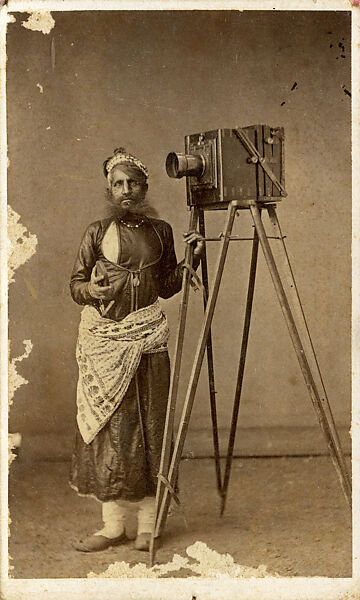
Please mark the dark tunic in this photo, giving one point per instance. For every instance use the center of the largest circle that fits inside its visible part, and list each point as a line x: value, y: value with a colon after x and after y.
x: 115, y: 464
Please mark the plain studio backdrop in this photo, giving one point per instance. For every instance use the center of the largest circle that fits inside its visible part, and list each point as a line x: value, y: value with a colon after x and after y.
x: 143, y: 80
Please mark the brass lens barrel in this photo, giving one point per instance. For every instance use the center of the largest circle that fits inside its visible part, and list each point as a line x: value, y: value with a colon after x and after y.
x: 179, y: 165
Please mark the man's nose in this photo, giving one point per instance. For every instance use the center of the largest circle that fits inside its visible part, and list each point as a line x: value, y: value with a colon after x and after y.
x: 125, y: 187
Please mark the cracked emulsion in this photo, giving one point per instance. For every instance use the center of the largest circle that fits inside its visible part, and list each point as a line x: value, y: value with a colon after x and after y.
x: 40, y: 21
x: 21, y: 247
x: 209, y: 564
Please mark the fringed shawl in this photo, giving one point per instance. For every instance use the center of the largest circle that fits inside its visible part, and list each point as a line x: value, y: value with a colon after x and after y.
x: 108, y: 353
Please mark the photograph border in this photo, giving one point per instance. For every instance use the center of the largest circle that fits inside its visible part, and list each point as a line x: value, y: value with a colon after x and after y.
x: 189, y: 588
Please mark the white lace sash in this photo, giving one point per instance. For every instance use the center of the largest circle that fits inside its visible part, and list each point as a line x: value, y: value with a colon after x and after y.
x: 108, y: 353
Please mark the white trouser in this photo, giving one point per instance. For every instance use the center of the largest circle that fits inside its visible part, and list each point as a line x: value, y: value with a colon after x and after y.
x: 114, y: 514
x: 146, y: 515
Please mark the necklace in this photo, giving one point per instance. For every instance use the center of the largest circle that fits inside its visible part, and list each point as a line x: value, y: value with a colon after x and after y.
x: 131, y: 226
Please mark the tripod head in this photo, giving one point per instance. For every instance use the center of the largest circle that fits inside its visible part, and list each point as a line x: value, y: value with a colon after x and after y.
x: 223, y: 165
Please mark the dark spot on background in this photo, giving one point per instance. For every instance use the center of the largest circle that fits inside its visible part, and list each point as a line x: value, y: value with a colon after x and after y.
x: 294, y: 85
x: 282, y: 104
x: 331, y: 45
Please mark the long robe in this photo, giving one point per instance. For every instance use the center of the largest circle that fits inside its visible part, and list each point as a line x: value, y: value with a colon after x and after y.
x: 142, y: 266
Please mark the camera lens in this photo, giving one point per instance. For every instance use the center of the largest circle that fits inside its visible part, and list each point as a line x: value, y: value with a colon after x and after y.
x: 179, y: 165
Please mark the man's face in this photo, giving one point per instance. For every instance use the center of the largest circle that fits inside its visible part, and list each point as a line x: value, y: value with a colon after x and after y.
x: 128, y: 187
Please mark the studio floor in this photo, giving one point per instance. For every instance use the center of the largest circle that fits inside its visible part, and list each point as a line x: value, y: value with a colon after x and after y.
x: 287, y: 513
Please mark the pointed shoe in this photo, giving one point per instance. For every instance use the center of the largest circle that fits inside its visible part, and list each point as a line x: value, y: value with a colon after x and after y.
x: 96, y: 543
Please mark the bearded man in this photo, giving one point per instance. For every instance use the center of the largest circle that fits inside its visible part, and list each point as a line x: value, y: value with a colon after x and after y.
x: 124, y: 264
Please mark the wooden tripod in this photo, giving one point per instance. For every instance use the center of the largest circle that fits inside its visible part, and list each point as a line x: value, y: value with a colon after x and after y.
x: 288, y: 296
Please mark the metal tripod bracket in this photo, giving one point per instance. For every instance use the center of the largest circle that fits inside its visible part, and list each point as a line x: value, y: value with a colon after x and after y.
x: 256, y: 157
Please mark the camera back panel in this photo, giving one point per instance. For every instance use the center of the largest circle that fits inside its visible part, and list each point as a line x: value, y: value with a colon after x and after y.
x: 229, y: 172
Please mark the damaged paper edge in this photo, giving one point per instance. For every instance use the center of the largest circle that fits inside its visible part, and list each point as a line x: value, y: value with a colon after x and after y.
x: 239, y: 5
x: 20, y: 247
x: 17, y: 246
x: 355, y: 316
x: 3, y: 302
x: 209, y: 564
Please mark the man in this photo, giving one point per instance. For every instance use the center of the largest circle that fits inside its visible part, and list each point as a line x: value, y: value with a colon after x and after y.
x: 125, y: 263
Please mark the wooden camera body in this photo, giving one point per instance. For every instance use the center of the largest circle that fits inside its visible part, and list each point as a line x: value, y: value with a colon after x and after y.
x: 219, y: 166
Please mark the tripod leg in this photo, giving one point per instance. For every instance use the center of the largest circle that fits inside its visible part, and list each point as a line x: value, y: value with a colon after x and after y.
x: 300, y: 352
x: 307, y: 342
x: 240, y: 376
x: 194, y: 377
x: 210, y: 363
x: 174, y: 381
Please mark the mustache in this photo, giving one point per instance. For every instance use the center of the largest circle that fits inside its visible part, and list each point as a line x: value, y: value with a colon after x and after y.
x: 141, y: 208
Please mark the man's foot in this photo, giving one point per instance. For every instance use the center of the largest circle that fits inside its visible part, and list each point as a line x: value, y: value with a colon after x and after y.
x: 95, y: 543
x: 142, y: 542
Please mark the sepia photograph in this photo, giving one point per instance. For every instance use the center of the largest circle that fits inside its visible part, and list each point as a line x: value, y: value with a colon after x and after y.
x: 178, y: 192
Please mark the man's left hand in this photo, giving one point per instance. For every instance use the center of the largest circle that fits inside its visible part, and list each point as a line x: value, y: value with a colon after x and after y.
x: 195, y: 238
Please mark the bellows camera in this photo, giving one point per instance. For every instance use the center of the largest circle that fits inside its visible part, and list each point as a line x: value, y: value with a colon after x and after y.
x: 231, y: 164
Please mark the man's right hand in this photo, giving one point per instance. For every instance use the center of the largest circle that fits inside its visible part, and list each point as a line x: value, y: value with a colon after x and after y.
x: 100, y: 292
